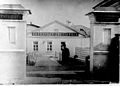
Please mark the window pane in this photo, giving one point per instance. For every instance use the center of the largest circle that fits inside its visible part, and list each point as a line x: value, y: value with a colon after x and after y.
x: 47, y: 48
x: 50, y: 42
x: 12, y: 37
x: 35, y: 46
x: 107, y: 35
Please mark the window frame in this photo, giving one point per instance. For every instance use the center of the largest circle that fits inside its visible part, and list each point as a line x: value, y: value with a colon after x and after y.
x: 12, y: 35
x: 49, y: 46
x: 35, y: 46
x: 104, y: 40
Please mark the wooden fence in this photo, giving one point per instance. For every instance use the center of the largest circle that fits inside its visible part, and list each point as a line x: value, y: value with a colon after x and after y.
x: 82, y: 52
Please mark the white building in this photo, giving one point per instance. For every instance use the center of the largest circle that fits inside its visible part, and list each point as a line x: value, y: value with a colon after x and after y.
x: 47, y: 39
x: 12, y: 42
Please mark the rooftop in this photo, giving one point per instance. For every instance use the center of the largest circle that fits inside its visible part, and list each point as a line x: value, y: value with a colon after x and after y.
x: 11, y: 6
x: 34, y: 25
x: 82, y: 29
x: 15, y: 7
x: 108, y: 3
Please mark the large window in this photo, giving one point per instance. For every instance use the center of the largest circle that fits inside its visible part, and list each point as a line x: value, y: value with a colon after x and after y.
x: 12, y: 35
x: 107, y: 35
x: 49, y: 46
x: 35, y: 46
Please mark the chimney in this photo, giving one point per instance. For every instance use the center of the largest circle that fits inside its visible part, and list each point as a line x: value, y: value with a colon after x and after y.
x: 30, y: 22
x: 69, y: 23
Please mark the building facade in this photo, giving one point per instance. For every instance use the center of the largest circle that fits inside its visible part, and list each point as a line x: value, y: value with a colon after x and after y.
x: 47, y: 40
x: 104, y: 24
x: 12, y: 42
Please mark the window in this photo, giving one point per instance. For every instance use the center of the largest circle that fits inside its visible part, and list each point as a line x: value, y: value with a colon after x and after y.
x: 49, y: 46
x: 35, y: 46
x: 12, y: 35
x: 106, y: 35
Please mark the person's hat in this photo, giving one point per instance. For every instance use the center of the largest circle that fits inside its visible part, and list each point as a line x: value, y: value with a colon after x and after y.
x: 117, y: 35
x: 63, y: 44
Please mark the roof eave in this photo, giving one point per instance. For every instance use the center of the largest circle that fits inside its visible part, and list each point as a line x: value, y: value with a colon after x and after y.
x: 106, y: 3
x: 116, y: 12
x: 27, y: 10
x: 100, y: 4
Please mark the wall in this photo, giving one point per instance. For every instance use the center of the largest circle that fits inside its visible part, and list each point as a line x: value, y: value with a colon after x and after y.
x: 98, y: 32
x: 100, y: 57
x: 19, y: 36
x: 12, y: 66
x: 12, y: 54
x: 71, y: 43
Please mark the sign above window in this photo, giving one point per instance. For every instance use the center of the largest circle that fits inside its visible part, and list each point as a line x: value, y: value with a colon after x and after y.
x: 11, y: 16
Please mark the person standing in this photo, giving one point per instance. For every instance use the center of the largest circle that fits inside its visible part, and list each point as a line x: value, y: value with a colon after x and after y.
x: 65, y: 53
x: 113, y: 59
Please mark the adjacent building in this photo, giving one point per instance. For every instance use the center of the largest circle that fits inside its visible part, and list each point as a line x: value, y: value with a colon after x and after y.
x: 12, y: 42
x: 104, y: 24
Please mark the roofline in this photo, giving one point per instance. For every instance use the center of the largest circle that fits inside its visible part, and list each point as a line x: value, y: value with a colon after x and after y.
x: 33, y: 25
x: 18, y: 10
x: 105, y: 3
x: 67, y: 26
x: 102, y: 12
x: 59, y: 23
x: 101, y: 3
x: 84, y: 29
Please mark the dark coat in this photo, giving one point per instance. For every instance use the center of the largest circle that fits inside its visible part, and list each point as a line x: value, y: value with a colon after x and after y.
x: 113, y: 59
x: 65, y: 54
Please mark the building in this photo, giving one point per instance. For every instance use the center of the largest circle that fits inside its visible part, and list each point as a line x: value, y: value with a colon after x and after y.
x: 12, y: 42
x: 104, y: 24
x: 46, y: 40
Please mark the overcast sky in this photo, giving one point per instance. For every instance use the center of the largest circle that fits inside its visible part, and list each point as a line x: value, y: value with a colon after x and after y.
x: 46, y: 11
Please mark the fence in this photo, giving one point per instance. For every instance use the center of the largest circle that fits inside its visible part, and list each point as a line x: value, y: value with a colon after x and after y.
x: 82, y: 52
x: 32, y: 57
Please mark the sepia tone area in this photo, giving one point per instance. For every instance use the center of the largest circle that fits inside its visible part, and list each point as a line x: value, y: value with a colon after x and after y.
x: 59, y: 42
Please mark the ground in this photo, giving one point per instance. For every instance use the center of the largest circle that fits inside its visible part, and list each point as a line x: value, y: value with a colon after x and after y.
x: 51, y: 72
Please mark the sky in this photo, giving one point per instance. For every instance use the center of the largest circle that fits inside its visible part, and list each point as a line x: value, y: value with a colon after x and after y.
x: 46, y: 11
